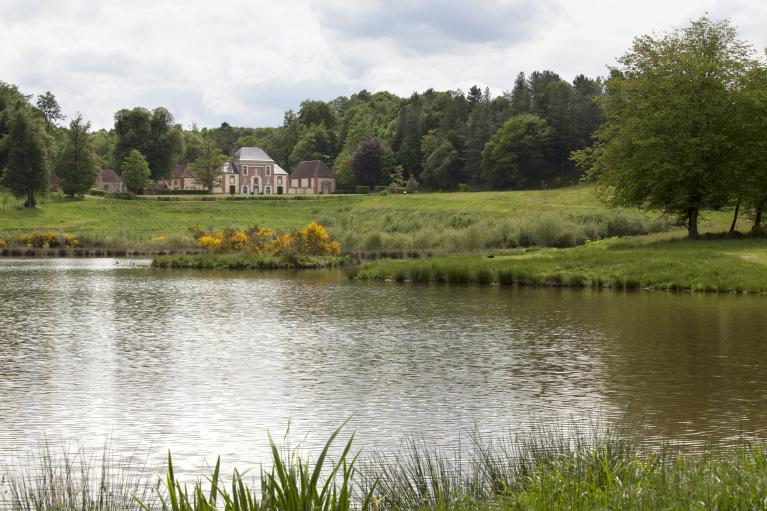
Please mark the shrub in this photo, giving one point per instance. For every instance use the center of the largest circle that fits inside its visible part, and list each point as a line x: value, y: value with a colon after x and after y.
x: 312, y: 240
x: 362, y: 189
x: 70, y: 241
x: 2, y: 243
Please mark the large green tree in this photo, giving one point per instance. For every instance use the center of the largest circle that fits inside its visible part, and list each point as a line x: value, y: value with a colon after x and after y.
x: 11, y: 99
x: 519, y: 154
x: 151, y: 133
x: 442, y: 167
x: 50, y: 108
x: 207, y: 166
x: 751, y: 179
x: 672, y: 127
x: 26, y: 167
x: 77, y: 162
x: 135, y: 171
x: 316, y: 142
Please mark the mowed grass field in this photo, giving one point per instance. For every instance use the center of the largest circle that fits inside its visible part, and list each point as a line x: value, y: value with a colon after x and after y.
x: 429, y: 222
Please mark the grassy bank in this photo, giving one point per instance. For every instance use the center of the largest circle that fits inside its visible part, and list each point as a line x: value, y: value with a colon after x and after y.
x: 735, y: 265
x: 549, y: 468
x: 434, y: 223
x: 245, y: 262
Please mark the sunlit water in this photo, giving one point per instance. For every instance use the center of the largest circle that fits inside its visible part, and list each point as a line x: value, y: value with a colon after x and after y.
x: 205, y: 363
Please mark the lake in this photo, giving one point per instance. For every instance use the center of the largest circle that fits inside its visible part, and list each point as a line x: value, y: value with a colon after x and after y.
x: 205, y: 363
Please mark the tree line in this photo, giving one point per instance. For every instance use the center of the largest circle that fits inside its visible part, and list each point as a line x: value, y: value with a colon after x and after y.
x: 438, y: 140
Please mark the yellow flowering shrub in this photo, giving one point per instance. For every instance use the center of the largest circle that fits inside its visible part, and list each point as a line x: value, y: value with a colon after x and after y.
x: 161, y: 237
x: 235, y: 239
x: 2, y: 243
x: 209, y: 243
x: 259, y: 240
x: 311, y: 240
x: 283, y: 244
x: 314, y: 240
x: 44, y: 239
x: 70, y: 241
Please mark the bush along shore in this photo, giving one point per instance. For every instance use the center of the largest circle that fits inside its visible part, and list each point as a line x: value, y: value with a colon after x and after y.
x: 549, y: 468
x: 732, y: 266
x: 258, y: 248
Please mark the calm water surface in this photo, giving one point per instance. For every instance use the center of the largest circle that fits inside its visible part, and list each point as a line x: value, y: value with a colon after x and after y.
x: 206, y: 363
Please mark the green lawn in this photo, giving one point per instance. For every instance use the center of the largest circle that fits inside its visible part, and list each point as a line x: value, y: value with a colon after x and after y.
x: 424, y: 223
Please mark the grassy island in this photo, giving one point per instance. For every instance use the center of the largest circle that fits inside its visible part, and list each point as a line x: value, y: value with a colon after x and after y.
x: 651, y: 262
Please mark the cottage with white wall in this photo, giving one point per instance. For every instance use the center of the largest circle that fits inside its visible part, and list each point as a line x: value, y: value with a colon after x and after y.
x: 312, y: 177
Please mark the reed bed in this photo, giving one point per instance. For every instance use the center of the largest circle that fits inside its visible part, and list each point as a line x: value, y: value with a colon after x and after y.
x: 549, y: 467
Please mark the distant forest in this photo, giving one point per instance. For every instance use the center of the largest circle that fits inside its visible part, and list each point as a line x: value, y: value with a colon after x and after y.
x: 437, y: 140
x: 443, y: 139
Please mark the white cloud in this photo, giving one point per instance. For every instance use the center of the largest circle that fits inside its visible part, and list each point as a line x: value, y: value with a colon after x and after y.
x: 246, y: 61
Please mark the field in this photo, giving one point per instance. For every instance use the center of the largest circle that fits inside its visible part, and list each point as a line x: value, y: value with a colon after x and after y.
x: 439, y: 223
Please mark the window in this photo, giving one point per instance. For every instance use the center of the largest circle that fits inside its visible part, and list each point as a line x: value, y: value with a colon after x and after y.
x: 245, y: 190
x: 279, y: 180
x: 231, y: 180
x: 244, y: 170
x: 268, y: 190
x: 268, y: 171
x: 106, y: 188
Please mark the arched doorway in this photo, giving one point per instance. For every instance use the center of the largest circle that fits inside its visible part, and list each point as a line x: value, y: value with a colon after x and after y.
x: 268, y: 190
x: 245, y: 189
x: 256, y: 186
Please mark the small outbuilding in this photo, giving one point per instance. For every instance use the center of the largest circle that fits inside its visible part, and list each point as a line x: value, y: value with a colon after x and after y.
x: 311, y: 177
x: 109, y: 181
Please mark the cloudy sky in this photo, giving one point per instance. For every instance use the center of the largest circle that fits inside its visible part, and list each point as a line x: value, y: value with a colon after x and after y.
x: 247, y: 61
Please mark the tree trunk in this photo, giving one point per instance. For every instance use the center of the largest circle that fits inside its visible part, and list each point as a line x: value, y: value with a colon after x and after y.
x: 735, y: 217
x: 758, y: 218
x: 30, y: 203
x: 692, y: 223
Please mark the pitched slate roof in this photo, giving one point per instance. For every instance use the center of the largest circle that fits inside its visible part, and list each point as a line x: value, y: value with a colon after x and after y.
x: 251, y: 154
x: 110, y: 176
x: 313, y: 168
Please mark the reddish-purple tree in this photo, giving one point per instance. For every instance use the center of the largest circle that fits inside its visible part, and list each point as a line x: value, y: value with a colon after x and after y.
x: 368, y: 160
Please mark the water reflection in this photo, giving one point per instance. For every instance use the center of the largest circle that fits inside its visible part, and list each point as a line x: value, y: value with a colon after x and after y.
x: 205, y: 362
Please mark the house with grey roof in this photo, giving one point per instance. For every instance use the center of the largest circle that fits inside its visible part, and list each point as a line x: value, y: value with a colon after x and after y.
x: 109, y: 181
x: 252, y: 172
x: 312, y: 177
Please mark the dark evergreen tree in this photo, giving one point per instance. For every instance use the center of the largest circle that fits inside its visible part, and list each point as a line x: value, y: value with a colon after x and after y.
x: 26, y: 167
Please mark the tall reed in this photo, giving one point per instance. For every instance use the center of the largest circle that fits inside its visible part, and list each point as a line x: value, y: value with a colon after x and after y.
x: 67, y: 479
